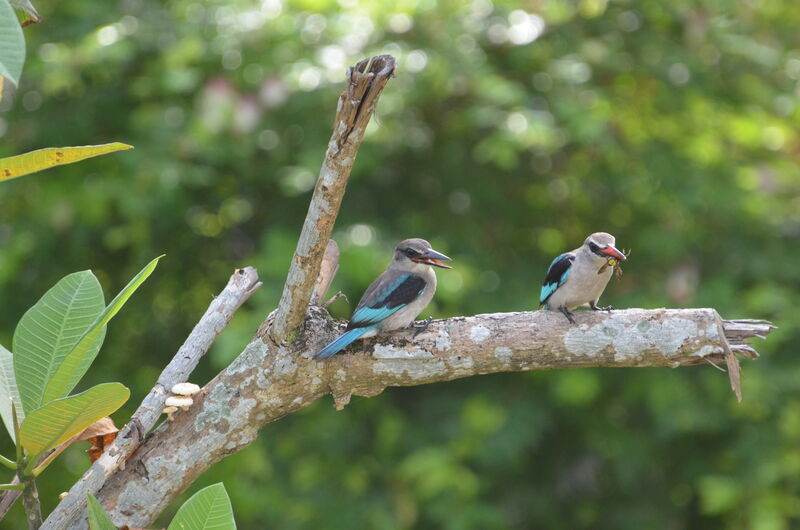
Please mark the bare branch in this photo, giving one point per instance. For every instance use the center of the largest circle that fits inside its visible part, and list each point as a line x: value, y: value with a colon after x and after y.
x: 242, y: 284
x: 356, y: 105
x: 270, y: 380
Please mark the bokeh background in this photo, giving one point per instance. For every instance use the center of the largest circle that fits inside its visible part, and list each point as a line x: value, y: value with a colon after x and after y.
x: 512, y: 130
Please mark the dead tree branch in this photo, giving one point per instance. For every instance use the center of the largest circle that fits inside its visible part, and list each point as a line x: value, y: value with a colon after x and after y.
x: 270, y: 380
x: 356, y: 105
x: 242, y: 284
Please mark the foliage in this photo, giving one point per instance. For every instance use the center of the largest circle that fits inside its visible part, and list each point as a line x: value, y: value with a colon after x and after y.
x: 54, y: 344
x: 505, y: 139
x: 17, y: 166
x: 208, y: 509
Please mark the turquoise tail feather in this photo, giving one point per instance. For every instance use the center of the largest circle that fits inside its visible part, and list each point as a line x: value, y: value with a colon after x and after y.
x: 341, y: 343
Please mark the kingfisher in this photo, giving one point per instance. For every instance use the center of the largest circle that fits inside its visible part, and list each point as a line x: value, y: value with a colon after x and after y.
x: 580, y: 276
x: 396, y: 297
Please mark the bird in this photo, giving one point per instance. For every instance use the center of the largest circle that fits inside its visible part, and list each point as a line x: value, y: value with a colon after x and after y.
x: 396, y: 297
x: 580, y: 276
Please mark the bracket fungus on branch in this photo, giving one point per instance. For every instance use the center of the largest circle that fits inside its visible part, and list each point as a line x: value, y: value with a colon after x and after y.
x: 241, y: 286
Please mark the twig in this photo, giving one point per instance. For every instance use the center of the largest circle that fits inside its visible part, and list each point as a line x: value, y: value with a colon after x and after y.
x: 242, y: 284
x: 269, y: 381
x: 356, y: 105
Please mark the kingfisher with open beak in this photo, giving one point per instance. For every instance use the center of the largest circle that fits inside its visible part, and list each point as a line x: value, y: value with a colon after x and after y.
x: 396, y: 297
x: 579, y: 277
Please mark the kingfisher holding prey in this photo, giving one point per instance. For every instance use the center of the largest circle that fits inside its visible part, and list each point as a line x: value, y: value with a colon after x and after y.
x: 580, y: 276
x: 396, y: 297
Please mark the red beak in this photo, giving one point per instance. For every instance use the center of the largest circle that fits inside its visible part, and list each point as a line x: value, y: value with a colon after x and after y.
x: 613, y: 252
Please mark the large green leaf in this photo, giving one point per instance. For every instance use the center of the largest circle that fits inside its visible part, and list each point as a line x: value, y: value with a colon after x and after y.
x: 98, y: 518
x: 60, y: 420
x: 50, y: 330
x: 209, y: 508
x: 8, y: 391
x: 12, y: 44
x: 78, y: 360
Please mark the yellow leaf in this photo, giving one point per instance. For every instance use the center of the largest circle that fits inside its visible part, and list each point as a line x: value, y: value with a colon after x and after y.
x: 16, y: 166
x: 1, y: 87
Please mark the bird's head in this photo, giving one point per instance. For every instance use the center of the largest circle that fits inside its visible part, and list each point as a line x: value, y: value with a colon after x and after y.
x: 412, y: 253
x: 601, y: 246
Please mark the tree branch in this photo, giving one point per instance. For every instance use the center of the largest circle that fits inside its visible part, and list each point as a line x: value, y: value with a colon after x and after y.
x: 242, y: 284
x: 270, y: 380
x: 356, y: 105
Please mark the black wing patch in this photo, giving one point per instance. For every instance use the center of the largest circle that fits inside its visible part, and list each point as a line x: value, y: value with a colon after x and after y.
x: 403, y: 294
x: 556, y: 275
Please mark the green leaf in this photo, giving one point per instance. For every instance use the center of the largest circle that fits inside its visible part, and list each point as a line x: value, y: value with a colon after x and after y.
x: 98, y: 518
x: 78, y: 360
x: 19, y: 165
x: 60, y: 420
x: 209, y: 508
x: 12, y: 44
x: 31, y: 15
x: 8, y: 391
x: 50, y: 330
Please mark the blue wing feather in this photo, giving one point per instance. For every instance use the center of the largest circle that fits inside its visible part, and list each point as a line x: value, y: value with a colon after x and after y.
x: 339, y: 344
x: 390, y: 292
x: 387, y: 295
x: 557, y: 274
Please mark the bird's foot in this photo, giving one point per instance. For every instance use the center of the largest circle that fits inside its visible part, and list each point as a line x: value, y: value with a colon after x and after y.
x: 420, y: 326
x: 595, y: 308
x: 568, y: 314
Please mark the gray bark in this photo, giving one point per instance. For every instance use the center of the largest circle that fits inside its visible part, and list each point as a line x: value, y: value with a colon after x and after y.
x: 270, y: 380
x: 356, y: 105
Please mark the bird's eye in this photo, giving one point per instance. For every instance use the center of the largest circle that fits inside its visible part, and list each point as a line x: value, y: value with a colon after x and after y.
x: 410, y: 252
x: 593, y: 246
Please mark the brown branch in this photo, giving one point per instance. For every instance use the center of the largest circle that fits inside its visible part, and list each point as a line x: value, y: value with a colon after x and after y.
x: 356, y: 105
x: 242, y: 284
x: 270, y: 380
x: 327, y: 272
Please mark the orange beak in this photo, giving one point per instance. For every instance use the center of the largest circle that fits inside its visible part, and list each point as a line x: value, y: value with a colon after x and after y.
x: 612, y: 252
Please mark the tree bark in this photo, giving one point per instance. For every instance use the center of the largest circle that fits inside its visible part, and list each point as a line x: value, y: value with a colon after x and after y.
x: 270, y: 380
x: 356, y: 105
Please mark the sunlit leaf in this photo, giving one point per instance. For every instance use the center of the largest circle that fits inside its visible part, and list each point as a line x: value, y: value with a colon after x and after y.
x: 50, y: 330
x: 30, y: 13
x: 80, y: 357
x: 208, y: 509
x: 8, y: 391
x: 59, y: 420
x: 19, y: 165
x: 98, y: 518
x: 12, y: 44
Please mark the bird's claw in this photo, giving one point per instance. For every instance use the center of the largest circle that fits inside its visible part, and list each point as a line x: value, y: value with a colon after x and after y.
x: 421, y: 326
x: 568, y: 314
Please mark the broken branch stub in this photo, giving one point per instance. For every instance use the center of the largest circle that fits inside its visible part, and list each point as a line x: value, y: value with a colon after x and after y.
x: 366, y: 81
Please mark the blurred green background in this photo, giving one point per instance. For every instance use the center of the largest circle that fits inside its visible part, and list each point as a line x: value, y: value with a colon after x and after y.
x: 512, y: 130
